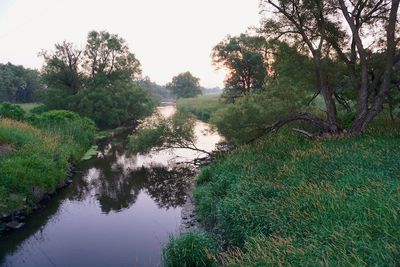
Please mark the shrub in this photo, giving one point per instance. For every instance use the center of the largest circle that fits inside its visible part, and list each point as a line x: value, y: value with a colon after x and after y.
x: 191, y: 249
x: 248, y: 117
x: 39, y: 109
x: 12, y: 111
x: 115, y: 104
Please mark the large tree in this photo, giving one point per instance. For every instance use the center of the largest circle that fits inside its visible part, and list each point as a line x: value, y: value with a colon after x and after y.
x: 245, y: 58
x: 109, y: 54
x: 62, y: 68
x: 96, y: 82
x: 184, y: 85
x: 337, y: 31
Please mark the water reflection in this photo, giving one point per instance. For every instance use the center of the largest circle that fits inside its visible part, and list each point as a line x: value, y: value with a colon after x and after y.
x: 115, y: 180
x: 119, y: 210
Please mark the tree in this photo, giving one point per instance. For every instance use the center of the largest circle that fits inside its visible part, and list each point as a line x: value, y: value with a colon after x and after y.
x: 18, y: 84
x: 184, y: 85
x: 96, y: 82
x: 158, y: 91
x: 108, y: 54
x: 320, y: 27
x: 245, y: 58
x: 165, y: 133
x: 62, y: 68
x: 113, y: 104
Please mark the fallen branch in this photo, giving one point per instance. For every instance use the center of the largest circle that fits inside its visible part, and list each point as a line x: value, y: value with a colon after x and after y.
x: 305, y: 133
x: 301, y: 116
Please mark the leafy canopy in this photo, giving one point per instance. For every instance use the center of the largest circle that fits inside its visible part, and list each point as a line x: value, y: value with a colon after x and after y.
x: 184, y: 85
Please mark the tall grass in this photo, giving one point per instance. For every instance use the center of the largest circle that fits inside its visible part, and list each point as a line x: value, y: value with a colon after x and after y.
x: 192, y: 249
x: 40, y: 160
x: 202, y: 107
x: 286, y: 200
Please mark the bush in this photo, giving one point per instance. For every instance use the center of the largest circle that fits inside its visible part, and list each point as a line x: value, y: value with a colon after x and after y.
x: 115, y: 104
x: 191, y: 249
x: 12, y: 111
x: 41, y: 108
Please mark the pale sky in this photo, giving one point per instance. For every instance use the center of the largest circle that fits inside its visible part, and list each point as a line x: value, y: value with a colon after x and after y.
x: 167, y: 36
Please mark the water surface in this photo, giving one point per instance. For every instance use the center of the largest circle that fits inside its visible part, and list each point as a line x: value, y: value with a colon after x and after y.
x: 119, y: 210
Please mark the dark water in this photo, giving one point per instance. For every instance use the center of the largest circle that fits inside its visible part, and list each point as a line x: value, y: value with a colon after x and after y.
x: 119, y: 211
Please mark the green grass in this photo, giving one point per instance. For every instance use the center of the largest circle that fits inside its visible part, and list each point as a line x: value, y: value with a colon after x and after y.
x: 202, y: 107
x: 27, y: 107
x: 288, y: 201
x: 40, y: 160
x: 191, y: 249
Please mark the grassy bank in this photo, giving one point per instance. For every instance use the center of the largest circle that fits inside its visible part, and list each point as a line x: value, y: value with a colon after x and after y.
x: 202, y: 107
x: 286, y: 200
x: 38, y: 155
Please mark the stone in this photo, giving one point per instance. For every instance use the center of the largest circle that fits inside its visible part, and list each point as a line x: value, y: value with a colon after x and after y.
x: 14, y: 225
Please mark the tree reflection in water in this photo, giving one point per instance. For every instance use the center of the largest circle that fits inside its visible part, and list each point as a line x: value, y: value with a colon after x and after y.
x: 115, y: 180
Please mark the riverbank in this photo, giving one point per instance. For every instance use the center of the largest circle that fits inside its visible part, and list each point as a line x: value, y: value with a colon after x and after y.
x: 202, y: 107
x: 286, y: 200
x: 38, y: 161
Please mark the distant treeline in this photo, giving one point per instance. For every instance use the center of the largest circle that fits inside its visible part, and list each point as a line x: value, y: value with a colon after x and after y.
x: 19, y: 84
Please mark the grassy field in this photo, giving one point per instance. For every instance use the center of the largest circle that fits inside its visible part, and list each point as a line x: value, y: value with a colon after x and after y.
x: 287, y: 201
x: 202, y: 107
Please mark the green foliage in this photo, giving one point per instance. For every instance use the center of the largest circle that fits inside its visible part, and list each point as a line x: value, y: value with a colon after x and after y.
x: 286, y: 200
x: 164, y: 133
x: 39, y: 109
x: 96, y: 82
x: 184, y: 85
x: 159, y: 92
x: 90, y: 153
x: 12, y: 111
x: 61, y: 68
x: 57, y: 117
x: 245, y: 59
x: 192, y: 249
x: 76, y: 133
x: 108, y: 54
x: 114, y: 104
x: 248, y: 117
x: 148, y: 137
x: 38, y: 165
x: 18, y: 84
x: 202, y: 107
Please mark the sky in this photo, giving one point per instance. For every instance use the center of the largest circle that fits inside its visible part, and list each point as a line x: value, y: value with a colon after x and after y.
x: 167, y: 36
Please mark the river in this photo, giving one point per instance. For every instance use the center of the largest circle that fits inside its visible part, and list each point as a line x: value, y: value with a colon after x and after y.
x: 119, y: 211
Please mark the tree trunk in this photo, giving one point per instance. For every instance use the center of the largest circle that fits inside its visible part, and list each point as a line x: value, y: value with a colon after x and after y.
x: 327, y: 94
x: 367, y: 115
